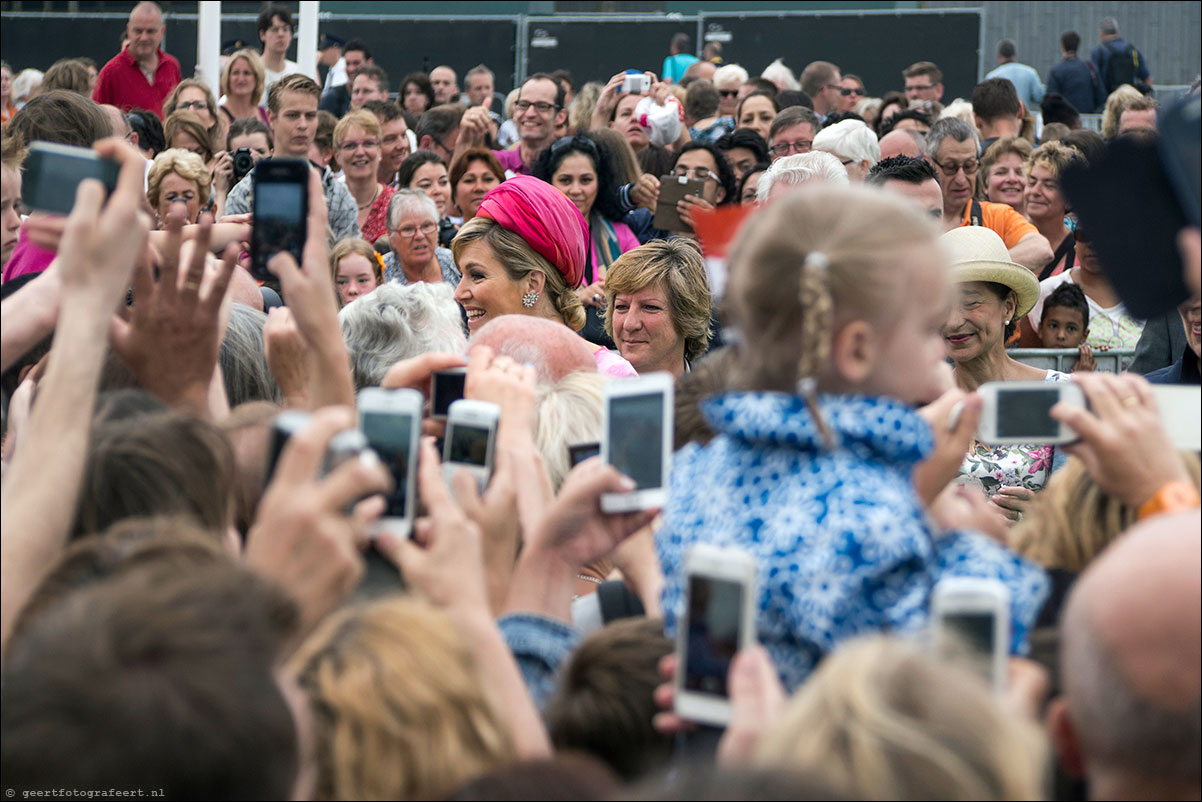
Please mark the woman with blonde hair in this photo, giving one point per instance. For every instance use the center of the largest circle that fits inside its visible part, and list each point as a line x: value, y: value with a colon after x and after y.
x: 177, y: 176
x: 357, y: 142
x: 398, y: 708
x: 1116, y: 104
x: 1001, y: 177
x: 881, y: 719
x: 1046, y: 206
x: 524, y: 254
x: 242, y: 83
x: 186, y: 130
x: 195, y: 96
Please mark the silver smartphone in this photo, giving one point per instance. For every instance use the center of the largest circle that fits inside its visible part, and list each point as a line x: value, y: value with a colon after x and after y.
x: 636, y: 438
x: 1019, y: 412
x: 391, y: 421
x: 471, y: 440
x: 970, y: 621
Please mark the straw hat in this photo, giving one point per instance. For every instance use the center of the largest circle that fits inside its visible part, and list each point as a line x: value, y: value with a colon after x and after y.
x: 978, y: 254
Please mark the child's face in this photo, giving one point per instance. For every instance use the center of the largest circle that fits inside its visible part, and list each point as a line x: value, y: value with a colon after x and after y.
x: 1062, y: 327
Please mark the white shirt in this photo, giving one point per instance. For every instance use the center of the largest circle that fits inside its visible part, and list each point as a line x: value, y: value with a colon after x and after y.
x: 272, y: 76
x: 336, y: 76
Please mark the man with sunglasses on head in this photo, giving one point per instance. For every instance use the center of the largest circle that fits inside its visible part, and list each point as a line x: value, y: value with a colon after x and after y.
x: 952, y: 148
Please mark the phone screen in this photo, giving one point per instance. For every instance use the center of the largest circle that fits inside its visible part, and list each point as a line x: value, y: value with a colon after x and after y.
x: 636, y: 438
x: 279, y: 214
x: 974, y: 630
x: 1025, y: 413
x: 389, y: 435
x: 52, y: 178
x: 582, y: 451
x: 447, y: 389
x: 715, y: 614
x: 469, y: 444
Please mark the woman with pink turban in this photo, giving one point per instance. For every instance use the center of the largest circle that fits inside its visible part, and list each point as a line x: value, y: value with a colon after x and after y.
x: 524, y: 254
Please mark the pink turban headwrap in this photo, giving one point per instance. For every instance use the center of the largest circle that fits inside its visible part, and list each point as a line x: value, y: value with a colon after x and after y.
x: 543, y: 217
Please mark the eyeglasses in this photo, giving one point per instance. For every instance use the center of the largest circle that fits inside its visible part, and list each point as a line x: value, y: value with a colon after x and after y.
x: 782, y: 149
x: 353, y: 145
x: 192, y: 104
x: 949, y: 169
x: 425, y: 229
x: 542, y: 107
x: 699, y: 173
x: 280, y: 29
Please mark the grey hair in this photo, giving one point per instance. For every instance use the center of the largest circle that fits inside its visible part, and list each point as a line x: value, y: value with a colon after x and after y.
x: 244, y: 360
x: 1109, y: 26
x: 410, y: 200
x: 954, y: 127
x: 569, y: 412
x: 729, y: 74
x: 396, y: 322
x: 1115, y: 725
x: 849, y: 139
x: 782, y: 76
x: 800, y: 168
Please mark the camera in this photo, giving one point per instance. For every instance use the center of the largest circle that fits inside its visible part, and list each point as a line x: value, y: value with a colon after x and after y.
x: 636, y: 84
x: 244, y: 162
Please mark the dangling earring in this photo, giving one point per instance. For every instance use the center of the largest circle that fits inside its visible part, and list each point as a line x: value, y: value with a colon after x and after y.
x: 529, y: 299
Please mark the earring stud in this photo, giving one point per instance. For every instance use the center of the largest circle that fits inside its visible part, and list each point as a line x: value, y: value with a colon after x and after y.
x: 529, y: 299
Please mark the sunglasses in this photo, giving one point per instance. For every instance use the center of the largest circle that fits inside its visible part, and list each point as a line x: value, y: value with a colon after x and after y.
x: 846, y: 92
x: 728, y: 92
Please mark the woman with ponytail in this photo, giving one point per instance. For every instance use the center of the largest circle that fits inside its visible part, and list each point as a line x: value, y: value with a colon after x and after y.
x: 838, y: 322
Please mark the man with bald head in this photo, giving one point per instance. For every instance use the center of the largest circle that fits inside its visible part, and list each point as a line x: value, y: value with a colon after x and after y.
x: 142, y: 75
x: 552, y: 348
x: 903, y: 142
x: 1131, y: 666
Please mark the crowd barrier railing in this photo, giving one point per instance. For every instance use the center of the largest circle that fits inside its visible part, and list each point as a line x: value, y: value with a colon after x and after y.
x: 1116, y: 360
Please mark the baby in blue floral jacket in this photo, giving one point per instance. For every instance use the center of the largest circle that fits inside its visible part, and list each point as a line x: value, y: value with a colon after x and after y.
x: 846, y: 290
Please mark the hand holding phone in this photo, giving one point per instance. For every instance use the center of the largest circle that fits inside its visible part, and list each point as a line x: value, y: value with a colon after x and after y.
x: 471, y: 440
x: 52, y: 174
x: 391, y: 421
x: 280, y: 189
x: 971, y: 620
x: 673, y: 189
x: 718, y: 621
x: 446, y: 387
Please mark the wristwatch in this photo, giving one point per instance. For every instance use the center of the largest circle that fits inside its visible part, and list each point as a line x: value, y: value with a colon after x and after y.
x: 1171, y: 497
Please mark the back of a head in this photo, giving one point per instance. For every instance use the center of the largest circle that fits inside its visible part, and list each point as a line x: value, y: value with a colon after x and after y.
x: 569, y: 413
x: 1131, y: 658
x: 439, y: 122
x: 69, y: 75
x: 552, y: 348
x: 399, y: 712
x: 815, y: 167
x: 907, y: 169
x: 164, y: 463
x: 395, y: 322
x: 1056, y: 109
x: 561, y: 778
x: 816, y: 76
x: 1073, y: 520
x: 701, y: 100
x: 849, y: 139
x: 190, y: 703
x: 995, y: 99
x: 881, y: 719
x: 604, y: 703
x: 243, y: 358
x: 60, y: 116
x: 764, y: 293
x: 1007, y: 50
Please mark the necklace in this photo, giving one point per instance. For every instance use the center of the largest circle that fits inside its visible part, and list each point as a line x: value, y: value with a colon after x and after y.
x: 587, y: 578
x: 373, y: 198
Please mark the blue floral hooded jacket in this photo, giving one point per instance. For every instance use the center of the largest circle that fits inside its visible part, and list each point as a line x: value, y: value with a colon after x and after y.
x: 843, y: 545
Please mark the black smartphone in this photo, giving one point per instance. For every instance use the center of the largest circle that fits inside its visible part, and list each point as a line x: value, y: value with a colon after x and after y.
x: 280, y: 188
x: 446, y: 387
x: 1181, y: 152
x: 1129, y: 215
x: 286, y: 424
x: 579, y: 452
x: 53, y: 172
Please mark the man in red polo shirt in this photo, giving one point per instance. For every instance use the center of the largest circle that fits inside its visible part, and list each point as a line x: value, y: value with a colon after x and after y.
x: 141, y: 75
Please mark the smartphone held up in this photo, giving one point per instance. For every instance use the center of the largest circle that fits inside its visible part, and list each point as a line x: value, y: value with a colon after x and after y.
x: 280, y: 205
x: 636, y: 438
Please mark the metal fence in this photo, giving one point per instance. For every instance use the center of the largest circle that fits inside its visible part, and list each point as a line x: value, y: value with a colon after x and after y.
x: 1064, y: 359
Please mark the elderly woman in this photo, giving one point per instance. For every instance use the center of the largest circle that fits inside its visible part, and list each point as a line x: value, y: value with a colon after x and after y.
x: 785, y: 175
x: 853, y: 144
x: 1046, y: 206
x: 177, y: 176
x: 1000, y: 177
x: 356, y: 269
x: 397, y: 322
x: 993, y: 294
x: 658, y: 301
x: 524, y: 254
x: 242, y: 83
x: 473, y: 175
x: 581, y: 169
x: 183, y: 129
x: 413, y: 234
x: 357, y: 141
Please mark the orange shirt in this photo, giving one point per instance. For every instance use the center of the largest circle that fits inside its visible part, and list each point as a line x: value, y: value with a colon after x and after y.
x: 1003, y: 220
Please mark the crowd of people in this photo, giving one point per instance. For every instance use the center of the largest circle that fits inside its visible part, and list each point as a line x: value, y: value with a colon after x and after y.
x: 190, y: 610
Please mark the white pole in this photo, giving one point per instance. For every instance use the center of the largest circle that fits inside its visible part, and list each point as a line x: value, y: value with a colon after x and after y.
x: 306, y: 38
x: 208, y: 44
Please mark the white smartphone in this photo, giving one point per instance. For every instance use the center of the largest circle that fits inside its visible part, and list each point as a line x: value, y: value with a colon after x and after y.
x: 1181, y: 413
x: 636, y: 438
x: 636, y: 84
x: 471, y: 440
x: 718, y: 620
x: 970, y: 621
x: 1018, y: 412
x: 391, y: 421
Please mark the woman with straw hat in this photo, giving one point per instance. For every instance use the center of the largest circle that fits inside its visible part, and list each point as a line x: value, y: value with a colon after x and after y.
x: 993, y: 294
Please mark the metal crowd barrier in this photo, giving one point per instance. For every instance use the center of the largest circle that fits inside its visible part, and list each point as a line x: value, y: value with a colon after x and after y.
x: 1116, y: 360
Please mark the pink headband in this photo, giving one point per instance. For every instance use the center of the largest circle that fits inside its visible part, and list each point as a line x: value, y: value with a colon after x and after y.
x: 541, y: 215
